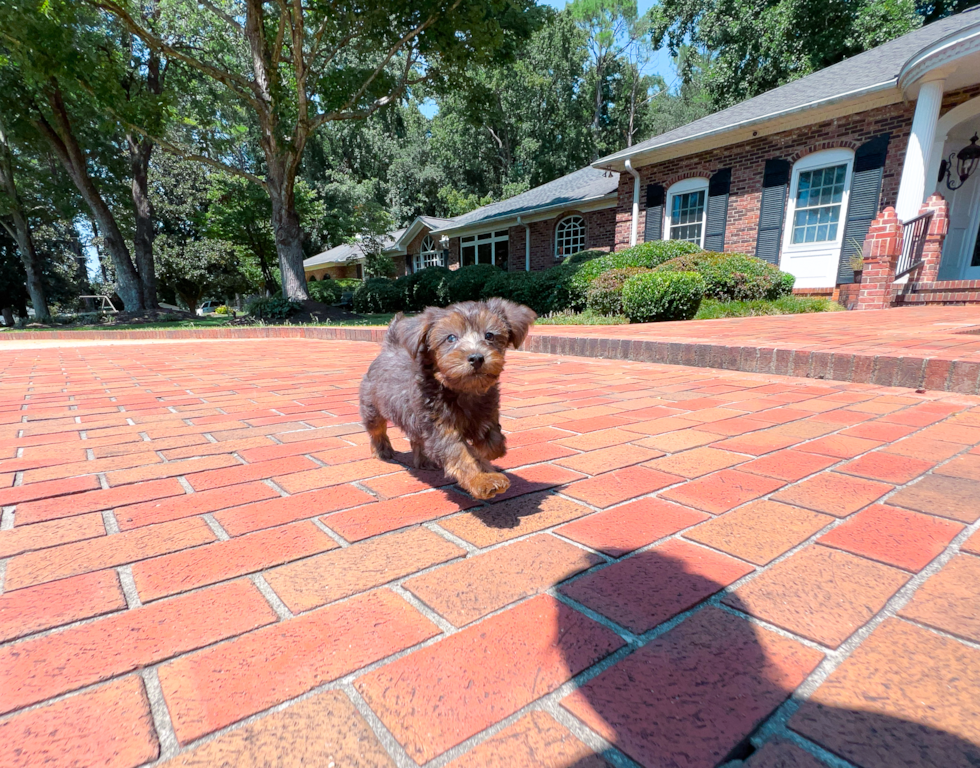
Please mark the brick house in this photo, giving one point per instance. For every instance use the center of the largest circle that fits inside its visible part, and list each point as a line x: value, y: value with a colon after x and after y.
x: 795, y: 176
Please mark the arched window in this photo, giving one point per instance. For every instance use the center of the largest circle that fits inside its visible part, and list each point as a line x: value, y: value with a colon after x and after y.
x: 569, y: 236
x: 686, y: 207
x: 429, y: 254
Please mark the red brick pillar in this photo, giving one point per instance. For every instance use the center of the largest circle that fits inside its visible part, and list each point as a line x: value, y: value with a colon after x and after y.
x: 881, y: 250
x: 932, y: 251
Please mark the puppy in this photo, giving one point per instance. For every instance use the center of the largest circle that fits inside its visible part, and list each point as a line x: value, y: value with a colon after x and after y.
x: 436, y: 378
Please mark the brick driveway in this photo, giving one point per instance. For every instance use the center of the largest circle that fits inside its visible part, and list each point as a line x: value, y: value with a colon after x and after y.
x: 201, y: 564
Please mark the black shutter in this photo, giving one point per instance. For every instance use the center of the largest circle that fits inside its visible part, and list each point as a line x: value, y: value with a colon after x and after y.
x: 862, y: 206
x: 445, y: 257
x: 654, y: 229
x: 772, y: 209
x: 719, y: 186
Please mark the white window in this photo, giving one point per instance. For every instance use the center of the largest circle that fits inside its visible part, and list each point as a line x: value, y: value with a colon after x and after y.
x: 815, y: 217
x: 429, y: 254
x: 569, y: 236
x: 687, y: 205
x: 488, y: 248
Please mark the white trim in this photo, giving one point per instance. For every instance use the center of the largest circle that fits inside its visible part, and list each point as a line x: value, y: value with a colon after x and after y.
x: 938, y: 54
x: 425, y: 254
x: 828, y: 250
x: 585, y: 234
x: 635, y: 218
x: 490, y: 238
x: 946, y: 123
x: 683, y: 187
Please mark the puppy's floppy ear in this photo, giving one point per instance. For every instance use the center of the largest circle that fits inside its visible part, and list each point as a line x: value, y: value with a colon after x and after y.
x: 413, y: 332
x: 519, y: 319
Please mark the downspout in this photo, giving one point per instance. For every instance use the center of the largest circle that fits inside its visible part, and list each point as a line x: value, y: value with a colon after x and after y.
x: 527, y: 244
x: 636, y: 201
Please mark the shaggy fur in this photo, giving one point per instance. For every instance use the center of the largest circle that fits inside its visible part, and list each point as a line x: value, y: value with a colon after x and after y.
x: 436, y: 379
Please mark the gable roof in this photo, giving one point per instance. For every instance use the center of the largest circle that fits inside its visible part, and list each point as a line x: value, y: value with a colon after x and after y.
x: 875, y: 70
x: 584, y: 185
x: 348, y: 252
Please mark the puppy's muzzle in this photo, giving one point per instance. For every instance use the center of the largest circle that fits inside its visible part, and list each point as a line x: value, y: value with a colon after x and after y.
x: 476, y: 361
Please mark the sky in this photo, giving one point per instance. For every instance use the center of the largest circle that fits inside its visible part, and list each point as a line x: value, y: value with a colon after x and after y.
x: 660, y: 62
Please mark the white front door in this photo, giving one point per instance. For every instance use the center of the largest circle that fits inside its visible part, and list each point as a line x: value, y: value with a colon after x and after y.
x: 961, y: 251
x: 815, y: 217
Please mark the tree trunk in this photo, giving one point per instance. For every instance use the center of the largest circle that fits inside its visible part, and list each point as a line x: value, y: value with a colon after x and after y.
x: 289, y: 235
x: 66, y: 148
x: 22, y: 233
x: 8, y: 317
x: 140, y: 151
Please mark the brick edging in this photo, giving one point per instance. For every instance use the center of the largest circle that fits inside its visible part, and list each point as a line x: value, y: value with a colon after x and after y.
x: 937, y: 374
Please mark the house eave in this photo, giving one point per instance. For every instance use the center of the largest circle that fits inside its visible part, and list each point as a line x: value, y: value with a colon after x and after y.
x: 860, y: 100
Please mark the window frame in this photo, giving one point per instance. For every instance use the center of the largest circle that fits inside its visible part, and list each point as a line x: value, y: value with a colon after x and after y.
x: 827, y: 158
x: 490, y: 238
x: 432, y: 254
x: 685, y: 187
x: 585, y: 235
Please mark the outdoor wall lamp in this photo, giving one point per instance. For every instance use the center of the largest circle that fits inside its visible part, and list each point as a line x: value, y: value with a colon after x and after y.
x: 966, y: 160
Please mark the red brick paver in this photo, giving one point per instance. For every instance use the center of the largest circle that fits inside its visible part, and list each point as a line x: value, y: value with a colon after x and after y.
x: 194, y: 538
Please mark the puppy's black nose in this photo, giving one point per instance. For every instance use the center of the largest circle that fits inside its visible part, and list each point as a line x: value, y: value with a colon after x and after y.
x: 476, y: 361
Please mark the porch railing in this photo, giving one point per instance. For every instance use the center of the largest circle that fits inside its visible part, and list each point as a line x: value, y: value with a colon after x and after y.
x: 914, y: 233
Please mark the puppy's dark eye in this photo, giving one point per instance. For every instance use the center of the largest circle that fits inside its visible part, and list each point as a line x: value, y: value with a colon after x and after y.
x: 450, y: 339
x: 488, y: 336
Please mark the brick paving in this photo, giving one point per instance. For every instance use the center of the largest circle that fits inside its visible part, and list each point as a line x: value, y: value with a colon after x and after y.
x: 201, y: 564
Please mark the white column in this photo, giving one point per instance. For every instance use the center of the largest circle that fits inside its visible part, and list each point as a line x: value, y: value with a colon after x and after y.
x: 911, y: 190
x: 635, y: 220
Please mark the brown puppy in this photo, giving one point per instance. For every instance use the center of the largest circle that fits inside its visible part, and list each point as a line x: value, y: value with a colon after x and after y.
x: 436, y: 378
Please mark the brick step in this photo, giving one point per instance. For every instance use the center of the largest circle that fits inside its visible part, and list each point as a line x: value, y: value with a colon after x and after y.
x: 941, y: 292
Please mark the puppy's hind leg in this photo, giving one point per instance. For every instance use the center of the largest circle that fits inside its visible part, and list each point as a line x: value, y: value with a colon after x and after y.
x: 377, y: 428
x: 420, y: 460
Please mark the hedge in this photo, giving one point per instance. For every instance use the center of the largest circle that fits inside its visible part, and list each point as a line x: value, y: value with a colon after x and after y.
x: 655, y: 296
x: 605, y: 294
x: 274, y: 308
x: 378, y: 295
x: 639, y: 256
x: 733, y: 276
x: 326, y: 291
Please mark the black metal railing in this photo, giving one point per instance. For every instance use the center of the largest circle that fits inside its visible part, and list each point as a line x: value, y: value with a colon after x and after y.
x: 914, y: 232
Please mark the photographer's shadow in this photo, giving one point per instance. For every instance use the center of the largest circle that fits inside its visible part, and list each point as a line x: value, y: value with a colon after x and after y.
x: 694, y: 696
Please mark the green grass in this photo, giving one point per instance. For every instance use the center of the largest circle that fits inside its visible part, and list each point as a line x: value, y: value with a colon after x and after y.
x: 588, y: 317
x: 712, y: 309
x: 382, y: 319
x: 215, y: 321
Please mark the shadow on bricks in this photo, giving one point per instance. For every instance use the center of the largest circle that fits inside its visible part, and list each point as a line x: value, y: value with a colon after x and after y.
x: 699, y: 694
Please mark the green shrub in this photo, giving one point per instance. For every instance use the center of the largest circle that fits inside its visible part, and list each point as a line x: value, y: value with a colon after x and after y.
x: 582, y: 257
x: 348, y: 283
x: 222, y: 310
x: 377, y: 295
x: 605, y: 294
x: 325, y: 291
x: 787, y: 281
x: 274, y: 308
x: 466, y: 283
x: 639, y: 256
x: 428, y: 287
x: 731, y: 276
x: 662, y: 296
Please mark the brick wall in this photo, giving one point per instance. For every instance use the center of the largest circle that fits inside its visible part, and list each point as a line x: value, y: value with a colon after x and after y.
x: 747, y: 161
x: 600, y: 234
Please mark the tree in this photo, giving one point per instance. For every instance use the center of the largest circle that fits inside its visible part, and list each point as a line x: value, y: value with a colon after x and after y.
x: 20, y: 229
x: 292, y: 66
x: 77, y: 77
x: 614, y: 28
x: 758, y: 46
x: 12, y: 279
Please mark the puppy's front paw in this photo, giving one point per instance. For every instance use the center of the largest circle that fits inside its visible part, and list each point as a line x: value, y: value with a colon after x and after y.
x: 382, y: 449
x: 487, y: 485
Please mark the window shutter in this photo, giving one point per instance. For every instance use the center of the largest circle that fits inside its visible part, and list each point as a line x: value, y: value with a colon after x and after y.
x: 719, y: 186
x: 862, y: 205
x: 445, y: 257
x: 772, y: 209
x: 654, y: 229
